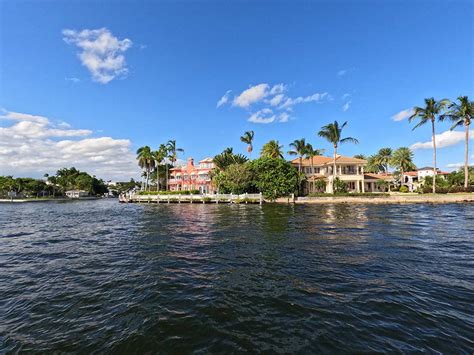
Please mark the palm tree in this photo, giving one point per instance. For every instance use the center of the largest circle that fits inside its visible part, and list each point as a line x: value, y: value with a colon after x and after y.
x: 310, y: 152
x: 272, y: 149
x: 383, y: 156
x: 247, y: 138
x: 299, y: 148
x: 145, y: 161
x: 461, y: 113
x: 159, y: 156
x: 173, y: 151
x: 426, y: 114
x: 360, y: 156
x: 227, y: 158
x: 333, y: 132
x: 402, y: 158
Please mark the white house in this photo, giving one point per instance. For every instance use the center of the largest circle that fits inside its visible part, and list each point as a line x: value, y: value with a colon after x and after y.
x: 415, y: 179
x: 76, y: 193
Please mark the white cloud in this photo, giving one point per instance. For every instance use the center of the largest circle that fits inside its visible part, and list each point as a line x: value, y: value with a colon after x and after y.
x: 346, y: 106
x: 251, y: 95
x: 101, y: 52
x: 345, y: 96
x: 445, y: 139
x: 283, y: 117
x: 276, y: 100
x: 73, y: 79
x: 224, y: 99
x: 403, y: 114
x: 278, y: 89
x: 262, y: 116
x: 291, y: 102
x: 34, y: 146
x: 341, y: 72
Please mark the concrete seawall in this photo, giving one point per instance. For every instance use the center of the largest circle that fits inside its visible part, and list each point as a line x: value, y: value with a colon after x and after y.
x: 393, y: 199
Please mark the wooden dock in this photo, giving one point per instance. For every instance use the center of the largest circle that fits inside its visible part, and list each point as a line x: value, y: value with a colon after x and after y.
x: 188, y: 198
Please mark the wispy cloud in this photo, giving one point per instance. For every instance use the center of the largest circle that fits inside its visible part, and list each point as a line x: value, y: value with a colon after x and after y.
x: 73, y: 79
x: 345, y: 96
x: 252, y: 95
x: 224, y: 99
x: 341, y: 72
x: 298, y: 100
x: 262, y: 116
x: 445, y: 139
x: 346, y: 106
x: 34, y: 145
x: 404, y: 114
x: 264, y: 98
x: 101, y: 52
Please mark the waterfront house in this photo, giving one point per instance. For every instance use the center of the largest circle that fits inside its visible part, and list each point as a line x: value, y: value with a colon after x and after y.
x: 191, y: 177
x: 371, y: 182
x: 350, y: 170
x: 76, y: 193
x: 415, y: 179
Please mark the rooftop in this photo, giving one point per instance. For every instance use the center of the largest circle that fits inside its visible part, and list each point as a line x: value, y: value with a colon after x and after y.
x: 323, y: 160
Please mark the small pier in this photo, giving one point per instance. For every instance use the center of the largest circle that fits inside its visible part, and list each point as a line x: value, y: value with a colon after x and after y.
x: 188, y: 198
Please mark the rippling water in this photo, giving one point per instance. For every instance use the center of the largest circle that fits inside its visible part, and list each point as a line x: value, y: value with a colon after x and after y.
x: 97, y: 276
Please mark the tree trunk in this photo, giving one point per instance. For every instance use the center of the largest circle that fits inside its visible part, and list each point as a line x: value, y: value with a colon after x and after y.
x: 466, y: 158
x: 434, y: 154
x: 157, y: 177
x: 167, y: 187
x: 312, y: 172
x: 334, y: 170
x: 299, y: 175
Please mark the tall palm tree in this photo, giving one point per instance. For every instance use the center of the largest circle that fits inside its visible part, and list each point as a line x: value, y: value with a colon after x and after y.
x: 247, y: 138
x: 402, y: 158
x: 461, y: 113
x: 333, y: 132
x: 429, y: 113
x: 173, y: 151
x: 146, y: 162
x: 159, y: 156
x: 360, y: 156
x: 272, y: 149
x: 310, y: 152
x: 299, y: 149
x: 384, y: 156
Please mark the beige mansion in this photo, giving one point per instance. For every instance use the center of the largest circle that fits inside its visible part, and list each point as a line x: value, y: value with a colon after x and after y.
x: 350, y: 170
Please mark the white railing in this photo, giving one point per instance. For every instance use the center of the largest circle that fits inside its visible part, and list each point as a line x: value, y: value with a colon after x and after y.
x: 203, y: 198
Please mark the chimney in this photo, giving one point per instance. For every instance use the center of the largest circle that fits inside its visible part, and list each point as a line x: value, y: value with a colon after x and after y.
x: 190, y: 163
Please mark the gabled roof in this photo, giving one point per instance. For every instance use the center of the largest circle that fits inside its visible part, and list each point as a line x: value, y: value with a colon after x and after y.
x: 323, y: 160
x: 207, y: 160
x: 411, y: 173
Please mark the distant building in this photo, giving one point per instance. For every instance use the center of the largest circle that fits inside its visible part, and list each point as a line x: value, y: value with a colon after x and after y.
x: 76, y: 193
x: 415, y: 179
x: 191, y: 177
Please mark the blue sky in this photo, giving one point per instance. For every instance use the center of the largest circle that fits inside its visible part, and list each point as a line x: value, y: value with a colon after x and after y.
x: 157, y: 69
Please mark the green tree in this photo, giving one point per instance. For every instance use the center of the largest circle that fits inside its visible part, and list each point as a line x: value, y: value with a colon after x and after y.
x: 237, y: 179
x: 247, y: 138
x: 402, y: 159
x: 227, y: 158
x: 373, y: 165
x: 146, y: 162
x: 272, y: 149
x: 432, y: 110
x: 461, y: 113
x: 332, y: 132
x: 360, y: 156
x: 384, y: 157
x: 159, y: 156
x: 274, y: 177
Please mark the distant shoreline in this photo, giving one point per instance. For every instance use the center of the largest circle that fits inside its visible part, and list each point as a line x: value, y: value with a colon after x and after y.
x: 38, y: 200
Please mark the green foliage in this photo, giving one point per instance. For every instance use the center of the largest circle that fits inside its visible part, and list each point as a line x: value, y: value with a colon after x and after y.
x: 237, y: 179
x: 403, y: 189
x: 227, y: 158
x: 274, y: 177
x: 340, y: 186
x: 272, y: 149
x: 402, y: 159
x: 382, y: 184
x: 320, y: 185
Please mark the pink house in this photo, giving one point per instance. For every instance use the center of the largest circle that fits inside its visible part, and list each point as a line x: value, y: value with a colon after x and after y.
x: 191, y: 177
